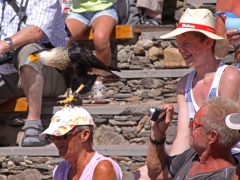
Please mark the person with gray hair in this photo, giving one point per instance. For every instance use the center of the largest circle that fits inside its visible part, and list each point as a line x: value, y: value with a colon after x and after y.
x: 71, y: 130
x: 209, y: 156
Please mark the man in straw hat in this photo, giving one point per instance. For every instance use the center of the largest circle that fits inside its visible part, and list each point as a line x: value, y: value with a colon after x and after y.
x: 211, y: 141
x: 71, y: 130
x: 197, y: 40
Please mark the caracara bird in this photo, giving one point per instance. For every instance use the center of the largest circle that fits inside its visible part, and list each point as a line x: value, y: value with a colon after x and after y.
x: 73, y: 59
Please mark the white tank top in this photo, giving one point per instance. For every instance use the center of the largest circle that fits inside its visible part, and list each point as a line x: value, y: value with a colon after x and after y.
x: 60, y: 172
x: 191, y: 104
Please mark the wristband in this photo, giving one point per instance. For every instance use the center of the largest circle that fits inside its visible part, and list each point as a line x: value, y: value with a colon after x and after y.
x: 157, y: 142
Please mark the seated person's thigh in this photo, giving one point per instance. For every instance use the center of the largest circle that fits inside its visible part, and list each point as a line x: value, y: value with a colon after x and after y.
x: 54, y: 83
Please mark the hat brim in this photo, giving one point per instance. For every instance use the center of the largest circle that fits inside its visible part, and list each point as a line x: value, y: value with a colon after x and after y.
x: 57, y: 130
x: 179, y: 31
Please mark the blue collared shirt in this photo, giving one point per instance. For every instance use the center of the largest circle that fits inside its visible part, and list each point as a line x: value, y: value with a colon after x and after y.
x: 45, y: 14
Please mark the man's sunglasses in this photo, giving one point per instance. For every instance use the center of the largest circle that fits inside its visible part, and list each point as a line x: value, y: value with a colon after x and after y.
x: 193, y: 125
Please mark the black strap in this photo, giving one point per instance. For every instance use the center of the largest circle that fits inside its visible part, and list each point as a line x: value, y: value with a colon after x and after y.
x: 157, y: 142
x: 69, y: 34
x: 20, y: 11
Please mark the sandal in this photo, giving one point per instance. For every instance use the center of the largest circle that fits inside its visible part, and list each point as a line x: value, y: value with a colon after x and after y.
x: 152, y: 21
x: 40, y: 142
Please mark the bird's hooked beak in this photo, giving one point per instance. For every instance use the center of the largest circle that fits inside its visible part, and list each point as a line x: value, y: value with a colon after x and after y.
x: 32, y: 58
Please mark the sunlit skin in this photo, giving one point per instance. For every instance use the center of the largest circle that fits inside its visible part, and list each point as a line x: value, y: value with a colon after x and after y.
x: 77, y: 150
x: 198, y: 54
x: 193, y: 50
x: 198, y: 138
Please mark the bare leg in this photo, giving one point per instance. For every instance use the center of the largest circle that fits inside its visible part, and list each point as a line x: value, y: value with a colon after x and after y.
x: 32, y: 83
x: 76, y: 27
x: 153, y: 14
x: 101, y: 38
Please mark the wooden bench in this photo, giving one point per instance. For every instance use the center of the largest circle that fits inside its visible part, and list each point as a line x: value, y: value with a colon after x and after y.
x: 21, y: 104
x: 119, y: 32
x: 15, y: 105
x: 201, y: 1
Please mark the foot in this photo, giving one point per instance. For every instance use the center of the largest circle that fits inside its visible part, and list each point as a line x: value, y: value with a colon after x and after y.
x: 31, y: 138
x: 67, y: 100
x: 97, y: 91
x: 152, y: 21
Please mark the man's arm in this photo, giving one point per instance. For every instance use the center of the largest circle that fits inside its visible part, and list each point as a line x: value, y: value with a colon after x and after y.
x: 30, y: 34
x: 104, y: 170
x: 157, y: 155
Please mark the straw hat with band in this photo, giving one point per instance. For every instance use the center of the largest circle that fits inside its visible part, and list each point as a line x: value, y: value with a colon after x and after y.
x: 199, y: 20
x: 66, y: 119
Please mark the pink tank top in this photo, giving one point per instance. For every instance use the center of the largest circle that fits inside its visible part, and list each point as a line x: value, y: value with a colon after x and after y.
x: 60, y: 172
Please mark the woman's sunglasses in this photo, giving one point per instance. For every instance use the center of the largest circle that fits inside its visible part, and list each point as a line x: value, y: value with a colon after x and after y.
x: 63, y: 137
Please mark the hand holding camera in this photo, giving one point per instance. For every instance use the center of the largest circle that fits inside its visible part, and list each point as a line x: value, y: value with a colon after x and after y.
x: 156, y: 112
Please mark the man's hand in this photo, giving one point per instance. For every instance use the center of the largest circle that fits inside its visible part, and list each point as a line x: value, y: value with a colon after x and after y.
x: 159, y: 128
x: 157, y: 156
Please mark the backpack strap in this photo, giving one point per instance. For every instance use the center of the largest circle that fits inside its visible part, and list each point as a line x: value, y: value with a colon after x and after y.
x: 20, y: 11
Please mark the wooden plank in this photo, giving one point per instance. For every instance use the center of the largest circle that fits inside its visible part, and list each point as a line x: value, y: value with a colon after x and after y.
x: 15, y: 105
x: 201, y: 1
x: 119, y: 32
x: 149, y: 28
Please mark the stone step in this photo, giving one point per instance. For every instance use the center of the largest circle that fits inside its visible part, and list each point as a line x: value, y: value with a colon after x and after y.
x: 161, y: 73
x: 51, y: 150
x: 105, y: 109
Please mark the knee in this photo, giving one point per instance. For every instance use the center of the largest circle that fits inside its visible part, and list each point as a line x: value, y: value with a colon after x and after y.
x: 25, y: 69
x: 101, y: 40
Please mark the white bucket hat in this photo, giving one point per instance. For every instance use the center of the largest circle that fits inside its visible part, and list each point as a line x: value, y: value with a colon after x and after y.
x: 66, y: 119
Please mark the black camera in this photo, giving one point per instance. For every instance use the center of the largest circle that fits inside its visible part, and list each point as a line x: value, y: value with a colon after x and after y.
x: 6, y: 57
x: 155, y: 112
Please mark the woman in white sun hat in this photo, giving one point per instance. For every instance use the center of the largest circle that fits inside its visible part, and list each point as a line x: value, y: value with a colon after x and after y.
x: 197, y: 41
x: 71, y: 130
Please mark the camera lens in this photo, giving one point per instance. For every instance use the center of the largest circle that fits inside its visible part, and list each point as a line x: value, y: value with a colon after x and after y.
x: 6, y: 58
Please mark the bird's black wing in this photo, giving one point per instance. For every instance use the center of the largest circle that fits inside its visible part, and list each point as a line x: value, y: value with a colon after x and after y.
x: 67, y: 75
x: 92, y: 65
